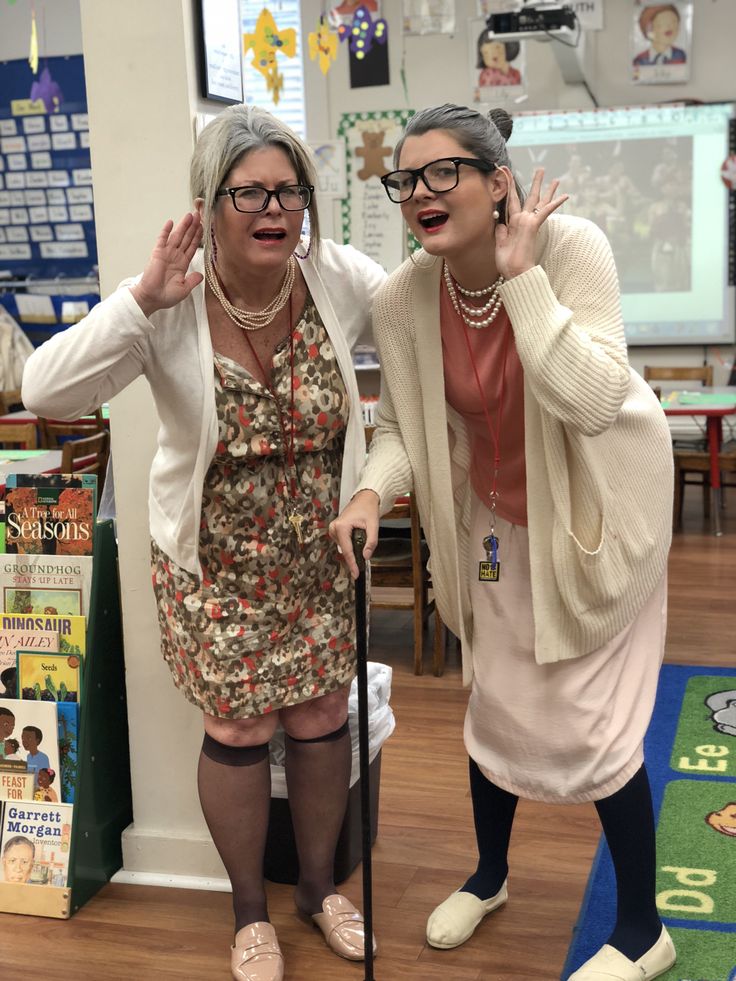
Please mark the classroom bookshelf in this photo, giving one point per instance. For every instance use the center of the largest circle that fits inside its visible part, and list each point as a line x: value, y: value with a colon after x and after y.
x: 102, y: 795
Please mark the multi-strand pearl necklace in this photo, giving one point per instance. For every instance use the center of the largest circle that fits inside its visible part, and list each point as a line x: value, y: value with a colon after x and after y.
x: 470, y: 313
x: 253, y: 319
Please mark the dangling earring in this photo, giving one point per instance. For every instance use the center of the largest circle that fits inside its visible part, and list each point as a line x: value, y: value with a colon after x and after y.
x: 306, y: 254
x: 496, y: 214
x: 213, y: 246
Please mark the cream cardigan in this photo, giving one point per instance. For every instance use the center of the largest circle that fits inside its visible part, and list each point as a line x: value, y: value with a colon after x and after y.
x: 89, y: 363
x: 598, y: 448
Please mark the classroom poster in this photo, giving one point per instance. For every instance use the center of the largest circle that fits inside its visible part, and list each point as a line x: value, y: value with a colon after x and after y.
x: 429, y: 16
x: 498, y: 67
x: 371, y: 222
x: 661, y: 39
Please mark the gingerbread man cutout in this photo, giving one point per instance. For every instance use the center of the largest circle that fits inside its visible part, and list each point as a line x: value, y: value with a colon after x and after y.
x: 373, y: 151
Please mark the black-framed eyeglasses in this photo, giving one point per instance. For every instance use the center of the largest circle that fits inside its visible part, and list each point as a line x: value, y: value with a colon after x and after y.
x: 291, y: 197
x: 438, y: 176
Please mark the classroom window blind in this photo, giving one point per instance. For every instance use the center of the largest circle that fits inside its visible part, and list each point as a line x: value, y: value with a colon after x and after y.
x: 290, y: 107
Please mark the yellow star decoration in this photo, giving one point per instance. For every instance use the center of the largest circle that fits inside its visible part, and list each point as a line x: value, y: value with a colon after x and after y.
x: 323, y: 44
x: 267, y: 41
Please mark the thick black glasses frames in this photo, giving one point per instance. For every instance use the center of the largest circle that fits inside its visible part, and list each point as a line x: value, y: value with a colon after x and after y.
x: 438, y: 176
x: 250, y: 200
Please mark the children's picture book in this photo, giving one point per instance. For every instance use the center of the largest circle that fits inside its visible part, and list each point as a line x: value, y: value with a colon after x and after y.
x: 48, y: 677
x: 72, y: 630
x: 29, y: 732
x: 16, y: 784
x: 50, y: 514
x: 11, y: 641
x: 35, y: 843
x: 68, y: 713
x: 57, y: 585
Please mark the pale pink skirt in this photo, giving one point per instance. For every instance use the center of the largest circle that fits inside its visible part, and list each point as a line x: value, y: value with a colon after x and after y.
x: 566, y: 732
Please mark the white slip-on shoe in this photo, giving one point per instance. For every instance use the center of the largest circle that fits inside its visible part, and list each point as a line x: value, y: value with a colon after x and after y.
x: 610, y: 964
x: 455, y: 920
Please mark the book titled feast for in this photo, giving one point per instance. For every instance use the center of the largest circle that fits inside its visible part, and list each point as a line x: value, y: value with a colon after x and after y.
x: 36, y: 839
x: 56, y: 585
x: 16, y: 784
x: 72, y: 630
x: 48, y: 677
x: 51, y: 514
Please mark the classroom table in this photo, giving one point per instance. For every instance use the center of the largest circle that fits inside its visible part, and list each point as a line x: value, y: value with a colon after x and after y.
x: 713, y: 404
x: 28, y: 461
x: 25, y: 415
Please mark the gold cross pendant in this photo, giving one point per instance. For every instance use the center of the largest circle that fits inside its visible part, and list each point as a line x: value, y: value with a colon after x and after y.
x: 296, y: 520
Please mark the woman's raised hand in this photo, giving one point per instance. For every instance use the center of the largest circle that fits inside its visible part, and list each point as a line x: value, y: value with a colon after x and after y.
x: 165, y: 280
x: 516, y: 240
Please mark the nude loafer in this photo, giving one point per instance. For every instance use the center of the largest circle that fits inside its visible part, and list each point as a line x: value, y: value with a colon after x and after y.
x: 610, y: 964
x: 256, y: 955
x: 455, y: 920
x: 343, y: 928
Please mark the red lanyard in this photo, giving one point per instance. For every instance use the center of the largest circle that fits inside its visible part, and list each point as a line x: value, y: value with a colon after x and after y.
x: 495, y: 434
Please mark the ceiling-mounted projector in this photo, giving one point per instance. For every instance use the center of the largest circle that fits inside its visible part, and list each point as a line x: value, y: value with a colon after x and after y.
x: 540, y: 20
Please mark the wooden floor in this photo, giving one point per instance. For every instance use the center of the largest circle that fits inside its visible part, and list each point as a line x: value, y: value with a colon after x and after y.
x: 425, y: 846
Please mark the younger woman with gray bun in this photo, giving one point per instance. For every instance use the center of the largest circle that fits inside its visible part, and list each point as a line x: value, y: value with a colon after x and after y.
x: 543, y: 480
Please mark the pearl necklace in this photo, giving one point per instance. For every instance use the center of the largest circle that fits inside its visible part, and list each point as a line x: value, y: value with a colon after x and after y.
x: 253, y: 319
x: 470, y: 314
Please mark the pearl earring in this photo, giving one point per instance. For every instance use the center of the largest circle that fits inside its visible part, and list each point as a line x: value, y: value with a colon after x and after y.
x: 496, y: 214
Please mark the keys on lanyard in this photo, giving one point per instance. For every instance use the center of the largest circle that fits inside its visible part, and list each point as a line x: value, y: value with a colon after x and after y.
x: 490, y: 569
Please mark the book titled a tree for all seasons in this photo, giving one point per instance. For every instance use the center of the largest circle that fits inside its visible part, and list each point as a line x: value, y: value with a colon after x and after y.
x: 50, y: 514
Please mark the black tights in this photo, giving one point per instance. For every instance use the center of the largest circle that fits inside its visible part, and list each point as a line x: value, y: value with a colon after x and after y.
x: 235, y: 793
x: 627, y: 819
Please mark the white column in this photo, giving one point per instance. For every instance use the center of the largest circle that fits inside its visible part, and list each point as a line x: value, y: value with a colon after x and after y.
x: 142, y: 92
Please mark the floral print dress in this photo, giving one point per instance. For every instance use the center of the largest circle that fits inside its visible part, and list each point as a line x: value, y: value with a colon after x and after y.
x: 270, y: 624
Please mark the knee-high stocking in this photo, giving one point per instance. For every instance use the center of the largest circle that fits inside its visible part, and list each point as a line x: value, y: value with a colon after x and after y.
x: 235, y: 793
x: 493, y: 813
x: 627, y: 818
x: 317, y: 777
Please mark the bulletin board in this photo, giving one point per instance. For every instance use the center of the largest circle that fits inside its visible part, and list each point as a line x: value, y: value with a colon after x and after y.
x: 47, y: 224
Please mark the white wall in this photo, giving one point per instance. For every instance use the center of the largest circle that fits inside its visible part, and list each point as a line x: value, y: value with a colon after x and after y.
x: 58, y: 25
x: 142, y: 90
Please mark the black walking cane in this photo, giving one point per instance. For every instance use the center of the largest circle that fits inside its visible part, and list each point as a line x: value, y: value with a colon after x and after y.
x: 361, y: 635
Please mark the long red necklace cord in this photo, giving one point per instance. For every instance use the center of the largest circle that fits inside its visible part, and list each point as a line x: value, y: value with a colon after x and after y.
x: 489, y: 571
x: 295, y: 519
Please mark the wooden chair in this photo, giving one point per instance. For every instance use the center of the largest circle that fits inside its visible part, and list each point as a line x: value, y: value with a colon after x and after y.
x: 9, y: 400
x: 20, y: 435
x: 686, y: 448
x: 701, y: 373
x: 698, y: 462
x: 55, y: 432
x: 96, y: 447
x: 400, y: 564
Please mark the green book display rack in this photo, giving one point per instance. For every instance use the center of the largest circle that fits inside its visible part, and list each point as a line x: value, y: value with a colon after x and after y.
x: 102, y: 796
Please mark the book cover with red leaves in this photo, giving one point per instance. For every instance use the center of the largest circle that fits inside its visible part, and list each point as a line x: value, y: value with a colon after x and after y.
x: 50, y: 514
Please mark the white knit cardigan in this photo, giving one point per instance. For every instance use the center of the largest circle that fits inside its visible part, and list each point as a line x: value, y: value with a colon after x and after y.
x: 598, y: 448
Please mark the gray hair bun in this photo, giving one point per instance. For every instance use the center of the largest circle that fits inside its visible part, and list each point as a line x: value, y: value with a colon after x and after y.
x: 502, y: 121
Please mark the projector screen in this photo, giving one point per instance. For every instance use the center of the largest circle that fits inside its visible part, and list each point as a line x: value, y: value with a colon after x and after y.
x: 649, y: 176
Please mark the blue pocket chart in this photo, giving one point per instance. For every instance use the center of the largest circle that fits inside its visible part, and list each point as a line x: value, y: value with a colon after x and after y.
x: 47, y: 226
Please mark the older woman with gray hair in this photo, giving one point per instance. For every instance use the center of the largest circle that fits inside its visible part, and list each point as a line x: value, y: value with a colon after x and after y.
x: 246, y: 344
x: 543, y: 480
